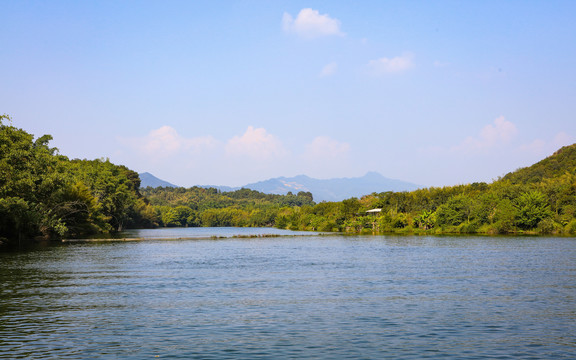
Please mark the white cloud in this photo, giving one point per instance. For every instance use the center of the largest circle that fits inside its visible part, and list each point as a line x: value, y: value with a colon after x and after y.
x: 393, y: 65
x: 325, y: 157
x: 310, y: 24
x: 500, y: 132
x: 248, y: 157
x: 256, y: 143
x: 537, y: 146
x: 165, y: 142
x: 562, y: 139
x: 329, y: 69
x: 544, y: 148
x: 323, y: 147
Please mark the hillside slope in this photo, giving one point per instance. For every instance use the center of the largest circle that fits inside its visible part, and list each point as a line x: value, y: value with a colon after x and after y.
x: 559, y: 163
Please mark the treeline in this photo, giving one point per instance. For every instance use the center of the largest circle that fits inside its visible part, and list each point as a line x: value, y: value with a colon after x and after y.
x: 44, y: 194
x: 198, y: 206
x: 503, y: 207
x: 547, y: 207
x: 540, y: 199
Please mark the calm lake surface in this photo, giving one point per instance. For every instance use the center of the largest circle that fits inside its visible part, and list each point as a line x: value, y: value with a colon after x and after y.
x: 312, y: 297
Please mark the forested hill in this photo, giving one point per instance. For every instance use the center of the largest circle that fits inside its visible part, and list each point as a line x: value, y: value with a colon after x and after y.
x: 561, y: 162
x: 521, y: 202
x: 45, y: 194
x: 198, y: 206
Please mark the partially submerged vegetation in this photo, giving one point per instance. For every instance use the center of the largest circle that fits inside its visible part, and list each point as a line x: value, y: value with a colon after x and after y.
x: 46, y: 195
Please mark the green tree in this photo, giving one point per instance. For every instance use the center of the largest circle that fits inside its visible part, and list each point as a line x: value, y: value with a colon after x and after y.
x: 350, y: 207
x: 426, y: 220
x: 454, y: 212
x: 532, y: 208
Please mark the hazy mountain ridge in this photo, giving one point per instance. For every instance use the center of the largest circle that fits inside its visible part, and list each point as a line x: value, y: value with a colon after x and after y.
x: 335, y: 189
x: 147, y: 179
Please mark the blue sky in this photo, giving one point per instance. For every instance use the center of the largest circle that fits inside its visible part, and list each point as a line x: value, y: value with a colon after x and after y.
x: 232, y: 92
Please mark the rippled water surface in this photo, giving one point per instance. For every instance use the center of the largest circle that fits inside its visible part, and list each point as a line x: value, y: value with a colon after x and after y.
x: 324, y: 297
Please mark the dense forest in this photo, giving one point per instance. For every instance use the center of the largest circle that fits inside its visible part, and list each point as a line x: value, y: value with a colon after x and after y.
x: 198, y: 206
x: 45, y: 195
x: 540, y: 199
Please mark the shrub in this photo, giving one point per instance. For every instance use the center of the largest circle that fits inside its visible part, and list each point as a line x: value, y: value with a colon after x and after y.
x: 503, y: 227
x: 400, y: 221
x: 469, y: 227
x: 549, y: 226
x: 571, y: 227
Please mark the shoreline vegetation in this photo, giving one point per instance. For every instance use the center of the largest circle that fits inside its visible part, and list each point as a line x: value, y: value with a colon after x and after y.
x: 46, y: 196
x: 209, y: 237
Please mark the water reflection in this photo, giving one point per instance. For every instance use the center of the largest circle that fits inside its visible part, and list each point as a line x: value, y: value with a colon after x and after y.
x: 305, y: 297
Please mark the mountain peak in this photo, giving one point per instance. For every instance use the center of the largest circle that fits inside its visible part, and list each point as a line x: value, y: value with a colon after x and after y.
x: 332, y: 189
x: 335, y: 189
x: 147, y: 179
x: 373, y: 175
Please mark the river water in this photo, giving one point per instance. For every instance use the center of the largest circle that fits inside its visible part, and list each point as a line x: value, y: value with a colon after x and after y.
x: 306, y: 296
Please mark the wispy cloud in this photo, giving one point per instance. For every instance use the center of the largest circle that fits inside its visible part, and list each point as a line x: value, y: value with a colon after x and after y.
x: 562, y: 139
x: 329, y: 69
x: 325, y: 157
x: 393, y: 65
x: 544, y: 148
x: 206, y: 160
x: 324, y: 147
x: 256, y: 143
x: 500, y: 132
x: 499, y: 139
x: 311, y: 24
x: 166, y: 142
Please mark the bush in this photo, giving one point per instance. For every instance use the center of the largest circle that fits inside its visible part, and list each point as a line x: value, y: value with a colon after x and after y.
x: 503, y: 226
x: 571, y: 227
x: 469, y: 227
x: 549, y: 226
x: 400, y: 221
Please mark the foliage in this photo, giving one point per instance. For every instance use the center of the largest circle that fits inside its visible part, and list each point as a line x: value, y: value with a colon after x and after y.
x: 455, y: 211
x: 532, y: 208
x: 502, y: 207
x: 426, y: 220
x: 561, y: 162
x: 210, y: 207
x: 43, y: 193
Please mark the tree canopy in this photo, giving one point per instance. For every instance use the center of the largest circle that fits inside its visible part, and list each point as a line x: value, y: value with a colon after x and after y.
x: 43, y: 194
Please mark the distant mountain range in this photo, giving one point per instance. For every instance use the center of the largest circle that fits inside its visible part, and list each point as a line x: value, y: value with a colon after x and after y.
x: 147, y: 179
x: 332, y: 189
x: 336, y: 189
